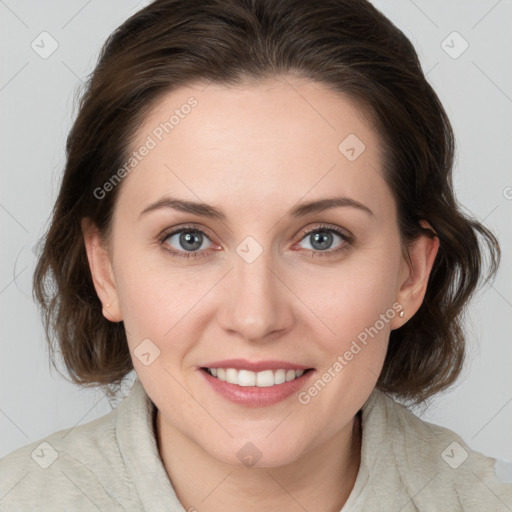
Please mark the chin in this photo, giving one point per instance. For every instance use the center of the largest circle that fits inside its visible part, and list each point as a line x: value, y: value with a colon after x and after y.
x: 255, y: 453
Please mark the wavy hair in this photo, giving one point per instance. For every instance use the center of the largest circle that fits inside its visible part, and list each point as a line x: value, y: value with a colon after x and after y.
x: 346, y: 44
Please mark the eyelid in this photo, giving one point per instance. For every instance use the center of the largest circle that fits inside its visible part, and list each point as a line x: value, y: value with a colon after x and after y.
x: 344, y: 234
x: 346, y: 237
x: 175, y: 253
x: 167, y: 232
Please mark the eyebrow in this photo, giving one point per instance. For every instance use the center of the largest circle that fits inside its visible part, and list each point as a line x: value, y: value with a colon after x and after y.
x: 209, y: 211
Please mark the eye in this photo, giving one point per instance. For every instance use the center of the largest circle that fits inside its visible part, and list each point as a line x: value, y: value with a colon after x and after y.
x: 186, y: 242
x: 320, y: 239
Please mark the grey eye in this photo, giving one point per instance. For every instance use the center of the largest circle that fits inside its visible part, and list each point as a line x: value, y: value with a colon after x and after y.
x: 321, y: 239
x: 187, y: 240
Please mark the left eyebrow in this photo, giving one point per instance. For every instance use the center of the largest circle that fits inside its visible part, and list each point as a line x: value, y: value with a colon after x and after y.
x: 201, y: 209
x: 320, y: 205
x: 300, y: 210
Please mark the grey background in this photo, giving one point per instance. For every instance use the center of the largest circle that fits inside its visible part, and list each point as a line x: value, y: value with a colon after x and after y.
x: 37, y: 105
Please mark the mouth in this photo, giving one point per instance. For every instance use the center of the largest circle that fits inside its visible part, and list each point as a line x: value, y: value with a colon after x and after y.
x: 255, y: 383
x: 261, y: 379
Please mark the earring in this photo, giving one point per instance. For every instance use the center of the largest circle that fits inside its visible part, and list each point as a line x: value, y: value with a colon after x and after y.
x: 401, y: 314
x: 107, y: 305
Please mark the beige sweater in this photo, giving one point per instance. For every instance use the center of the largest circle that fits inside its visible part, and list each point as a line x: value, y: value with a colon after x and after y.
x: 112, y: 464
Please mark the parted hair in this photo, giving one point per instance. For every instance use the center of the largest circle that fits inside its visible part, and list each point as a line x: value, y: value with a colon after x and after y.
x: 347, y: 45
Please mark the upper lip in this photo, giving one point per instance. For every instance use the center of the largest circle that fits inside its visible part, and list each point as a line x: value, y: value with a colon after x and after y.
x: 256, y: 366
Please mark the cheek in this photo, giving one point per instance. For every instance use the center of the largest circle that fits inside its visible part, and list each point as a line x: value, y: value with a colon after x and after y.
x: 146, y: 299
x: 358, y: 308
x: 352, y: 295
x: 158, y: 301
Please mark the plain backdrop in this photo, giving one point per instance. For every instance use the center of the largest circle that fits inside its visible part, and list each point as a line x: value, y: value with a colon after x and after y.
x: 37, y: 102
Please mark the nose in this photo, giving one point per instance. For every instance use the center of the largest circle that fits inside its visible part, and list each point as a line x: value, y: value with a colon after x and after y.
x: 256, y: 304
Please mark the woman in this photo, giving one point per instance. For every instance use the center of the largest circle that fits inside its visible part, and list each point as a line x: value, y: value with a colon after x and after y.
x: 257, y: 216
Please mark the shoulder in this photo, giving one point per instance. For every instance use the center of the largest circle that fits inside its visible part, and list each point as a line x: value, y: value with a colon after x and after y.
x: 432, y: 465
x: 69, y: 468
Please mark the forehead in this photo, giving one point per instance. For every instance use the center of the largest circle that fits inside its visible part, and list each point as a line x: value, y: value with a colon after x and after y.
x: 280, y: 138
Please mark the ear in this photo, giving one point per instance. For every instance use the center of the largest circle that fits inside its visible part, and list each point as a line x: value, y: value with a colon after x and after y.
x: 414, y: 275
x: 101, y: 268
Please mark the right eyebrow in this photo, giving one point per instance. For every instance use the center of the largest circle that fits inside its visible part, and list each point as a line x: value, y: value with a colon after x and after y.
x: 201, y: 209
x: 209, y: 211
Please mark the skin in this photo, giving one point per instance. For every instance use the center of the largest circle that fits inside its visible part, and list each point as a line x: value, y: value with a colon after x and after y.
x: 255, y: 151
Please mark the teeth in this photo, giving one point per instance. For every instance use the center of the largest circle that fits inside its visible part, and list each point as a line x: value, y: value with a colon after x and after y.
x: 262, y: 379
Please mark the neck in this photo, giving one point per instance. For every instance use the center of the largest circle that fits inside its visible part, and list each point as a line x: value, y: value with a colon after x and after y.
x: 320, y: 480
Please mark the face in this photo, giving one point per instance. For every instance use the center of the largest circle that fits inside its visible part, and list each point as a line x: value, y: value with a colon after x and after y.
x: 261, y: 280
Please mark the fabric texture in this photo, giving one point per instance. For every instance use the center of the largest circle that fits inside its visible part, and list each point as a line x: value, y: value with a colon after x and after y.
x: 113, y: 464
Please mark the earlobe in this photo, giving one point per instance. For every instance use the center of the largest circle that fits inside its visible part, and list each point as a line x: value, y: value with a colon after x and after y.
x: 102, y: 273
x: 422, y: 253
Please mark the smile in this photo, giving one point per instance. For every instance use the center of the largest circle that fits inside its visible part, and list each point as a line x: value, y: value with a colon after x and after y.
x: 262, y: 379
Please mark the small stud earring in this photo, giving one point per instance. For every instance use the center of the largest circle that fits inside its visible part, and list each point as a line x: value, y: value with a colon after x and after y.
x: 107, y: 305
x: 401, y: 314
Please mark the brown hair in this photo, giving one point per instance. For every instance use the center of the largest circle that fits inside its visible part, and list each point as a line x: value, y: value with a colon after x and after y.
x: 346, y: 44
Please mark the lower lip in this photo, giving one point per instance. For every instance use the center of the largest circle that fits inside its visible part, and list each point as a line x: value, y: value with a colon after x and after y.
x: 254, y: 396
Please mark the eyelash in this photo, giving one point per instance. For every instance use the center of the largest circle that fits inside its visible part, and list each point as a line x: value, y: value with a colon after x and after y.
x: 200, y: 254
